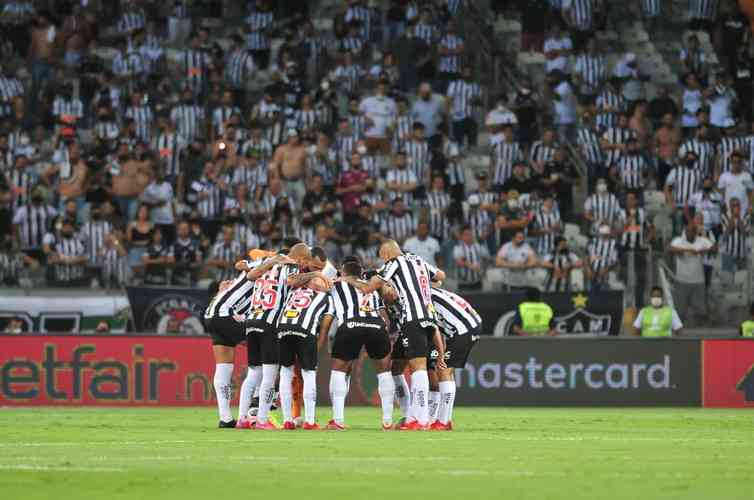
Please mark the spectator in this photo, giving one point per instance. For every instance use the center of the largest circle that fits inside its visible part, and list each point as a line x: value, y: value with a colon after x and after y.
x: 381, y: 113
x: 401, y: 181
x: 602, y: 255
x: 688, y: 290
x: 661, y: 105
x: 590, y: 72
x: 602, y: 207
x: 693, y: 59
x: 463, y: 96
x: 32, y: 221
x: 113, y: 261
x: 516, y: 257
x: 560, y: 263
x: 558, y: 46
x: 93, y: 234
x: 737, y: 184
x: 533, y: 317
x: 506, y: 154
x: 470, y: 258
x: 546, y: 225
x: 627, y: 71
x: 733, y: 245
x: 225, y: 254
x: 658, y: 319
x: 682, y: 182
x: 533, y: 17
x: 439, y: 207
x: 564, y: 105
x: 138, y: 237
x: 423, y: 245
x: 708, y: 203
x: 722, y: 99
x: 702, y: 146
x: 69, y: 258
x: 352, y: 184
x: 664, y: 146
x: 557, y: 179
x: 158, y: 196
x: 429, y: 110
x: 637, y: 234
x: 184, y: 256
x: 451, y: 49
x: 614, y: 140
x: 702, y: 14
x: 400, y: 223
x: 729, y: 143
x: 156, y: 260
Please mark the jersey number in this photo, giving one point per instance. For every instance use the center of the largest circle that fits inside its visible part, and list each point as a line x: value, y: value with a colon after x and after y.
x: 301, y: 299
x: 266, y: 295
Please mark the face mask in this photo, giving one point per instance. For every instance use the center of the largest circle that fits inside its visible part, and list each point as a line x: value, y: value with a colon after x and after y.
x: 513, y: 204
x: 362, y: 150
x: 656, y: 301
x: 604, y: 232
x: 601, y: 188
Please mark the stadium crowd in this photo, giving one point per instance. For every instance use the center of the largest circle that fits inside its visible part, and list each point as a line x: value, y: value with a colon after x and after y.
x: 144, y: 142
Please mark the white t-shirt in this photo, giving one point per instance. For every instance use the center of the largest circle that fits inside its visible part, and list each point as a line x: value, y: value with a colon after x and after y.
x: 426, y: 249
x: 329, y: 270
x: 382, y: 111
x: 720, y: 107
x: 690, y: 268
x: 565, y: 107
x: 693, y: 101
x: 514, y: 254
x: 156, y: 193
x: 561, y: 63
x: 675, y: 322
x: 736, y: 186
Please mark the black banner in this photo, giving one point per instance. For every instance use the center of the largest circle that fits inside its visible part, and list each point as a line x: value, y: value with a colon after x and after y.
x: 168, y: 310
x: 588, y: 372
x: 595, y: 314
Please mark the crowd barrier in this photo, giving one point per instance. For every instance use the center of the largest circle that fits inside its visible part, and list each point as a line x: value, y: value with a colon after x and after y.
x: 152, y: 370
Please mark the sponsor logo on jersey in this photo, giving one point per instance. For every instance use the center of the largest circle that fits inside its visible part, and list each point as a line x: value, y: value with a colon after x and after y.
x: 359, y: 324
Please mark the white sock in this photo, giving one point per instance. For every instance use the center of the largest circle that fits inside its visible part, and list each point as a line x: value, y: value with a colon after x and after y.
x: 447, y: 400
x: 402, y: 394
x: 420, y: 389
x: 310, y: 394
x: 266, y: 391
x: 250, y: 384
x: 286, y: 393
x: 223, y: 389
x: 386, y: 388
x: 434, y: 405
x: 348, y: 383
x: 338, y: 391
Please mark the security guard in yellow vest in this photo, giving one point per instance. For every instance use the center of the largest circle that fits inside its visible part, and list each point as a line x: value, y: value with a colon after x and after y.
x: 658, y: 319
x: 747, y: 327
x: 534, y: 317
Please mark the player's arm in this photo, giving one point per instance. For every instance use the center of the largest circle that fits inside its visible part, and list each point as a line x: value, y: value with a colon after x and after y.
x: 324, y: 329
x: 258, y: 271
x: 440, y: 345
x: 303, y: 279
x: 374, y: 283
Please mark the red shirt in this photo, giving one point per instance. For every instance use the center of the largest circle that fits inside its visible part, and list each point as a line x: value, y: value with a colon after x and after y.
x: 350, y: 178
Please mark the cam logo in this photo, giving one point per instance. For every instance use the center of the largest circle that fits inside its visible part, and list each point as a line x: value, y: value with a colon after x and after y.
x: 174, y: 314
x: 582, y: 321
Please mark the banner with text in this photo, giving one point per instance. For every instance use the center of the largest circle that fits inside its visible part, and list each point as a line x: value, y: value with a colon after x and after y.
x: 594, y: 314
x: 168, y: 310
x: 582, y: 372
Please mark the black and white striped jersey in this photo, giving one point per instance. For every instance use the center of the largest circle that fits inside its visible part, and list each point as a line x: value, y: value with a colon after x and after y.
x: 363, y: 15
x: 401, y: 176
x: 463, y: 94
x: 417, y: 155
x: 269, y: 293
x: 541, y: 152
x: 92, y: 235
x: 438, y: 203
x: 451, y: 63
x: 735, y: 231
x: 635, y: 225
x: 410, y: 275
x: 239, y: 68
x: 703, y: 9
x: 10, y: 88
x: 684, y: 182
x: 593, y: 72
x: 633, y: 170
x: 602, y: 253
x: 605, y: 208
x: 589, y: 145
x: 349, y: 303
x: 260, y: 23
x: 188, y: 119
x: 106, y: 130
x: 114, y: 267
x: 582, y: 14
x: 650, y: 8
x: 504, y: 155
x: 705, y: 153
x: 544, y: 221
x: 303, y: 311
x: 210, y: 205
x: 33, y: 223
x: 615, y: 136
x: 455, y: 316
x: 21, y: 183
x: 608, y: 99
x: 69, y: 247
x: 142, y: 117
x: 471, y: 254
x: 220, y: 116
x: 228, y: 252
x: 398, y: 228
x: 169, y: 147
x: 236, y: 299
x: 725, y: 147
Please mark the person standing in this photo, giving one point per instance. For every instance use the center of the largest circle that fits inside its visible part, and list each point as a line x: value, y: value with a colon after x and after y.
x: 657, y: 319
x: 689, y: 250
x: 533, y: 317
x: 747, y: 327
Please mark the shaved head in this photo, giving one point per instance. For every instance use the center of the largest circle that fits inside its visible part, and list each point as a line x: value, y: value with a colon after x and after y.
x: 389, y: 250
x: 300, y: 253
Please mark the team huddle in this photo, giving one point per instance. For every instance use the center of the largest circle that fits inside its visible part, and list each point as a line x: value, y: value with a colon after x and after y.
x: 285, y: 307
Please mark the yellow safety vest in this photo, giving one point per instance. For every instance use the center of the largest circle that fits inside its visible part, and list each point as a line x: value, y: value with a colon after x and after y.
x: 657, y: 322
x: 535, y: 317
x: 747, y: 328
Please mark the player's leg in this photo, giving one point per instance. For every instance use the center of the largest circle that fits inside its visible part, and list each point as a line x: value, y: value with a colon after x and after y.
x: 447, y: 386
x: 398, y: 367
x: 270, y: 369
x: 226, y: 334
x: 287, y: 358
x: 345, y: 349
x: 434, y: 394
x: 253, y: 376
x: 377, y: 346
x: 307, y: 355
x: 298, y: 394
x: 416, y: 351
x: 457, y: 354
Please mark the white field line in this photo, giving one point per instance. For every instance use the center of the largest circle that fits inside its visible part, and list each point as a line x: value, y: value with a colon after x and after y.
x: 58, y: 468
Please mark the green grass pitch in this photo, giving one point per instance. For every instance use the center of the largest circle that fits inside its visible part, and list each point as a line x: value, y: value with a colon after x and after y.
x: 161, y: 453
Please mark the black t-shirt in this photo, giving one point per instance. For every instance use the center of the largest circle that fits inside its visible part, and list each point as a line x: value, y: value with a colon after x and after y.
x: 559, y: 188
x: 533, y: 15
x: 734, y: 28
x: 520, y: 185
x: 661, y: 106
x: 315, y: 203
x: 156, y: 274
x: 742, y: 74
